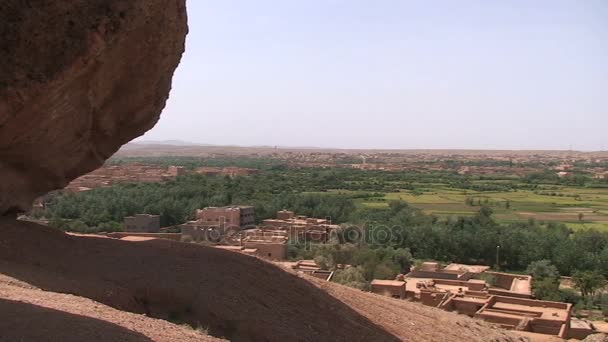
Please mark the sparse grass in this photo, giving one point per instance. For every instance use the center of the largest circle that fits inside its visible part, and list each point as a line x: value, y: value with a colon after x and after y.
x: 584, y: 225
x: 564, y: 206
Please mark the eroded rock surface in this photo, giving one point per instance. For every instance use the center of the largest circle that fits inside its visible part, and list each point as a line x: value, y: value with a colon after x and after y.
x: 79, y: 78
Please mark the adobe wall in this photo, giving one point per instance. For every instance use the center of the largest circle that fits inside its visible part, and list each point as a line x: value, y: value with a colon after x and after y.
x: 202, y: 233
x: 389, y: 290
x: 275, y: 251
x: 504, y: 321
x: 544, y: 326
x: 503, y: 281
x: 533, y: 303
x: 434, y: 275
x: 168, y: 236
x: 579, y: 333
x: 507, y: 293
x: 431, y: 298
x: 470, y: 284
x: 285, y: 215
x: 219, y: 216
x: 465, y: 307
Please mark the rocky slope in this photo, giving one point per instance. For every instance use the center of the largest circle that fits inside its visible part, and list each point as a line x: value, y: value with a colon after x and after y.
x: 78, y: 79
x: 28, y: 313
x: 235, y: 296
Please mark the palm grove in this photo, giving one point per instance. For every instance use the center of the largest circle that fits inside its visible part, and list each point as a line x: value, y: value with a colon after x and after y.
x: 380, y: 242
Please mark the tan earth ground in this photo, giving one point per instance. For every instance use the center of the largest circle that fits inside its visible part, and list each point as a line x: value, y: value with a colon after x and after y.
x: 31, y: 314
x: 231, y: 295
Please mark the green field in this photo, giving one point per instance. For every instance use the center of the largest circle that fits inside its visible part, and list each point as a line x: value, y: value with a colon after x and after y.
x: 554, y: 203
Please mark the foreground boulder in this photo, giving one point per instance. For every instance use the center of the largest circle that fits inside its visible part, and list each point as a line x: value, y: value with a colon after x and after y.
x: 78, y: 79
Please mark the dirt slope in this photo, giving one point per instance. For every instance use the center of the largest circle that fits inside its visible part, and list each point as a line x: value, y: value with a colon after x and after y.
x: 63, y: 317
x: 236, y: 296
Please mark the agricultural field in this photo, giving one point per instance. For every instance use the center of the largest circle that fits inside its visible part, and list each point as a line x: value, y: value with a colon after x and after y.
x: 578, y: 207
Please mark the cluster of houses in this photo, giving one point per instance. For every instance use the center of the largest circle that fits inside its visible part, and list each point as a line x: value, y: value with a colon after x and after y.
x: 109, y: 175
x: 501, y: 298
x: 474, y: 290
x: 234, y: 228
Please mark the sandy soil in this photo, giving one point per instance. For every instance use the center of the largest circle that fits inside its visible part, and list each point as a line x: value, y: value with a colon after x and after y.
x: 235, y: 296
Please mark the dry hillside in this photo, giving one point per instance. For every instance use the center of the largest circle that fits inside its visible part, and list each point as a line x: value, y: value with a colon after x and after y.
x: 235, y: 296
x: 31, y: 314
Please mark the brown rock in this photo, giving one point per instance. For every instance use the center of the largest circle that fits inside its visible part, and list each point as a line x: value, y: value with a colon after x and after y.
x: 596, y: 338
x: 78, y: 79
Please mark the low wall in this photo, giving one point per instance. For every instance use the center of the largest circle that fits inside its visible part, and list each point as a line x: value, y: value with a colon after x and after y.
x: 431, y: 298
x: 504, y: 321
x: 466, y: 308
x: 533, y: 303
x: 507, y: 293
x: 579, y: 334
x: 469, y: 284
x: 545, y: 326
x: 168, y: 236
x: 434, y: 275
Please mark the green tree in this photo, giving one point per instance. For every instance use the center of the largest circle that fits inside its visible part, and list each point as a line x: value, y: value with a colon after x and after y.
x: 352, y: 276
x: 542, y: 269
x: 547, y: 289
x: 588, y: 282
x: 403, y: 258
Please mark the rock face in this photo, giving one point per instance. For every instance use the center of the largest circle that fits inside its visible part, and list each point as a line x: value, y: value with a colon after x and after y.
x: 78, y: 79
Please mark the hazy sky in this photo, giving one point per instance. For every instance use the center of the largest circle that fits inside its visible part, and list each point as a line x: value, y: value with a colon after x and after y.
x: 393, y: 74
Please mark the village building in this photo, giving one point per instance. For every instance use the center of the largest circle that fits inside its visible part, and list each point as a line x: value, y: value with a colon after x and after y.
x: 433, y: 270
x: 233, y: 228
x: 459, y: 278
x: 230, y: 171
x: 301, y: 228
x: 535, y: 316
x: 109, y: 175
x: 601, y: 175
x: 389, y: 288
x: 230, y: 216
x: 176, y: 171
x: 512, y: 285
x: 501, y: 298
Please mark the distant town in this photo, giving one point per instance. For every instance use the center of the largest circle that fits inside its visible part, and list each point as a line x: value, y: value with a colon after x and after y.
x: 379, y: 221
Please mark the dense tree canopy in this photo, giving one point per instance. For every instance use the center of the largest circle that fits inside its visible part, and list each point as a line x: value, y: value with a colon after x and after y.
x: 467, y: 239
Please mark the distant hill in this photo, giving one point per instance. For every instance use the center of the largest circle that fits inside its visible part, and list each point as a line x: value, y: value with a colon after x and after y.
x: 173, y: 142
